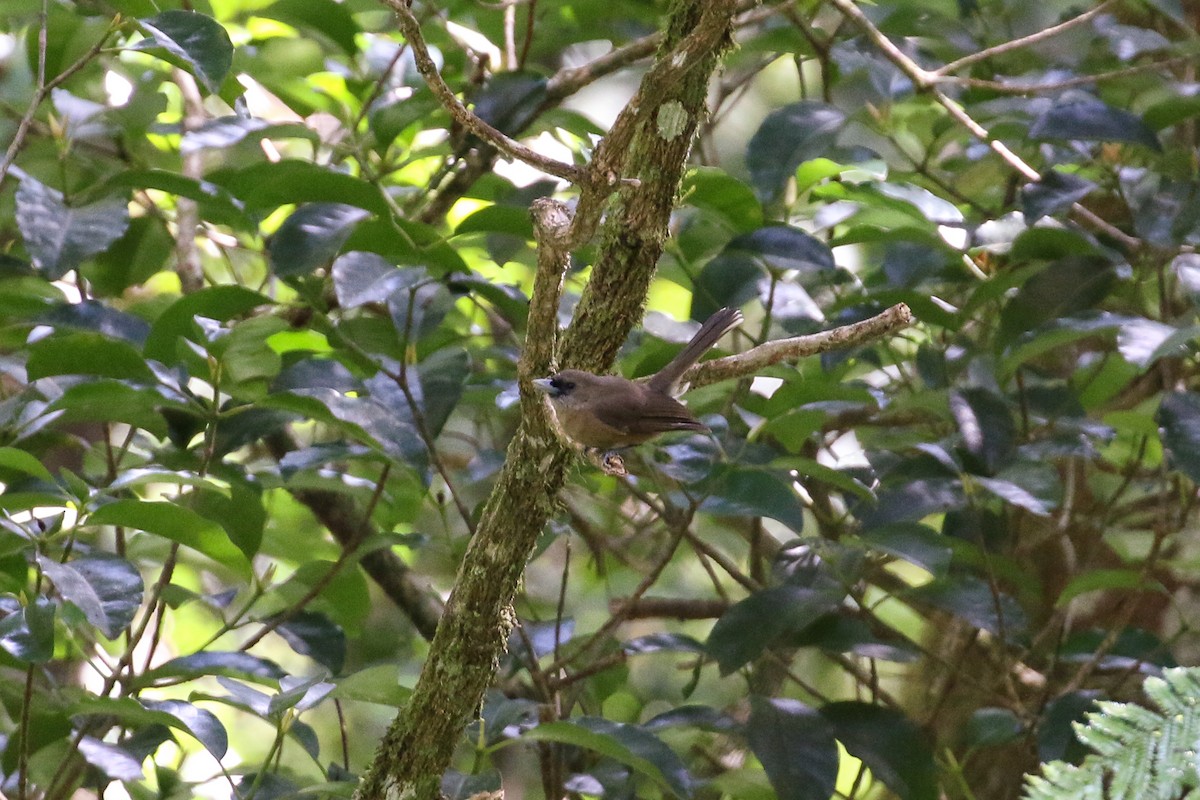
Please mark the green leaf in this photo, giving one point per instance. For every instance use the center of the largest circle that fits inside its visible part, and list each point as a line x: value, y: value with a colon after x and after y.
x: 1179, y: 427
x: 323, y: 17
x: 87, y: 354
x: 915, y: 543
x: 215, y: 662
x: 736, y: 491
x: 1055, y: 192
x: 787, y: 138
x: 178, y: 320
x: 718, y: 193
x: 312, y: 634
x: 266, y: 186
x: 360, y: 278
x: 311, y: 237
x: 22, y: 461
x: 975, y: 601
x: 177, y: 523
x: 379, y: 684
x: 197, y: 41
x: 216, y: 203
x: 443, y: 377
x: 986, y: 427
x: 992, y: 727
x: 891, y: 745
x: 1062, y: 289
x: 107, y: 589
x: 752, y: 625
x: 1106, y: 580
x: 498, y: 219
x: 1090, y: 120
x: 226, y: 132
x: 605, y: 740
x: 796, y: 746
x: 27, y: 631
x: 59, y: 237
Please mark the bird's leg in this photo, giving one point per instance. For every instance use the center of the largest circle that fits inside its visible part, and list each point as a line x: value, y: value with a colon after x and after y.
x: 609, y: 462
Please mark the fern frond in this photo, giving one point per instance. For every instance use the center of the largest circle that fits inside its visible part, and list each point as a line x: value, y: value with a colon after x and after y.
x: 1139, y: 753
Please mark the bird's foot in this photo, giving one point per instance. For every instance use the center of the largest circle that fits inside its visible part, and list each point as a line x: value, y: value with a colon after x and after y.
x: 609, y: 462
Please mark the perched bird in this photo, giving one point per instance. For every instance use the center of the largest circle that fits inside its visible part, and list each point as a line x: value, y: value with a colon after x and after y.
x: 608, y: 412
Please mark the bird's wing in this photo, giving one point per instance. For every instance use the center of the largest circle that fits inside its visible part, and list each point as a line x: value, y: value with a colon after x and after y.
x: 658, y: 413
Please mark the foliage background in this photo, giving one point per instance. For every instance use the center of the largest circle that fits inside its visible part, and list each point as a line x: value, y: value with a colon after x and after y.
x: 262, y: 302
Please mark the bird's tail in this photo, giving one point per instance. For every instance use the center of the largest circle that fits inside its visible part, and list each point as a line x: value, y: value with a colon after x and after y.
x: 716, y: 326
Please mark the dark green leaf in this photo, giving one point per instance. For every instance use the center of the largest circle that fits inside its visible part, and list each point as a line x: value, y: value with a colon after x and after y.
x: 752, y: 625
x: 198, y: 41
x: 107, y: 589
x: 1087, y: 119
x: 788, y: 137
x: 1179, y: 427
x: 747, y: 492
x: 1056, y: 728
x: 443, y: 376
x: 728, y: 280
x: 915, y: 543
x: 312, y: 634
x: 498, y: 219
x: 990, y: 727
x: 200, y: 723
x: 1064, y: 288
x: 115, y: 762
x: 59, y: 237
x: 27, y: 631
x: 177, y: 523
x: 625, y: 744
x: 796, y: 746
x: 1055, y: 192
x: 311, y: 237
x: 360, y: 278
x: 663, y: 642
x: 975, y: 601
x: 87, y: 354
x: 389, y: 118
x: 890, y: 744
x: 986, y: 427
x: 509, y: 101
x: 783, y: 247
x: 96, y: 317
x: 216, y: 203
x: 719, y: 193
x: 323, y: 17
x: 225, y: 132
x: 216, y: 662
x: 1032, y: 485
x: 178, y: 321
x: 266, y: 186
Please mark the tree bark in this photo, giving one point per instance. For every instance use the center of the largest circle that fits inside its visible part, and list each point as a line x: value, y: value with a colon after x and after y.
x: 418, y: 746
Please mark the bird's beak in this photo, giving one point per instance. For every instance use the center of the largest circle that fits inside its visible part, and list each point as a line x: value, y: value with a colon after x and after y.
x: 544, y: 385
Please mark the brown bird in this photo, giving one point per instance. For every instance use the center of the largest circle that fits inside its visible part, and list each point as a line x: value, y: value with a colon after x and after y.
x: 608, y: 412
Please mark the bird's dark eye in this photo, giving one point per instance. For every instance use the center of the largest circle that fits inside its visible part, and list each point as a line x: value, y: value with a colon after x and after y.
x: 562, y: 385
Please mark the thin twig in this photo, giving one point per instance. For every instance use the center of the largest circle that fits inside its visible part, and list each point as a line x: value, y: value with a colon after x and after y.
x: 925, y: 80
x: 1016, y: 44
x: 43, y: 90
x: 464, y: 116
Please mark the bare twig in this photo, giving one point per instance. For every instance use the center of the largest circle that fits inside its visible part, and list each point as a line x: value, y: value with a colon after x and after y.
x: 43, y: 91
x: 926, y: 80
x: 464, y: 116
x: 753, y: 361
x: 1024, y: 41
